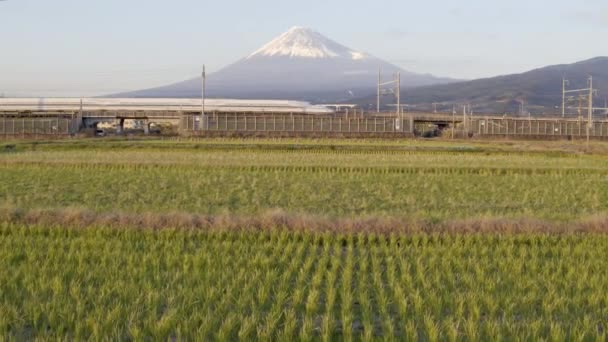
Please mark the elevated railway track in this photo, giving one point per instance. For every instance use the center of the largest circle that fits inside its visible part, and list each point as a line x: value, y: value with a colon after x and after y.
x: 68, y: 117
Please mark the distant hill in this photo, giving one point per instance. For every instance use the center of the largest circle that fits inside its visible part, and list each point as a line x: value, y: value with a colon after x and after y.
x: 541, y: 89
x: 300, y: 64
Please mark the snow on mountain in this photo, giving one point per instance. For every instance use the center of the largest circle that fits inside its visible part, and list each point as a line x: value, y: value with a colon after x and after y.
x: 305, y: 43
x: 300, y: 64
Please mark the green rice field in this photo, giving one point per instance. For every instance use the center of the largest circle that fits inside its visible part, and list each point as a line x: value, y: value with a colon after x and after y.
x: 227, y: 239
x: 437, y: 183
x: 116, y: 284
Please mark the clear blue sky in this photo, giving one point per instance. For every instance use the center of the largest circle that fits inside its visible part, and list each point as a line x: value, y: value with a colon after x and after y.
x: 88, y: 47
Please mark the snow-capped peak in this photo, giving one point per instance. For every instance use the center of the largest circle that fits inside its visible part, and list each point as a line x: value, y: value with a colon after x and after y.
x: 306, y: 43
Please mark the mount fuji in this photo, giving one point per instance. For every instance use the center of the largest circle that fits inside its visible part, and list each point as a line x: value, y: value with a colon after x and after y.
x: 300, y: 64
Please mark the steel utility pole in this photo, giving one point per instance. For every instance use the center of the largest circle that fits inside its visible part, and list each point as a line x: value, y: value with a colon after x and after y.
x: 204, y: 76
x: 378, y: 97
x: 522, y: 107
x: 79, y: 120
x: 464, y: 121
x: 399, y: 95
x: 590, y: 109
x: 453, y: 120
x: 395, y: 89
x: 565, y: 82
x: 585, y: 93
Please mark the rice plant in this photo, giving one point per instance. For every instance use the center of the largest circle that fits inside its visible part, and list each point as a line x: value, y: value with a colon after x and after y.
x: 60, y: 282
x: 299, y: 239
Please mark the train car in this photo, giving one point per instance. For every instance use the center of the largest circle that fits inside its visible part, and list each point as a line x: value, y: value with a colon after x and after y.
x: 160, y: 104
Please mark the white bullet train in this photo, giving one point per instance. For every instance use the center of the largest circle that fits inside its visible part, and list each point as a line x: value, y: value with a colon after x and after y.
x: 160, y: 104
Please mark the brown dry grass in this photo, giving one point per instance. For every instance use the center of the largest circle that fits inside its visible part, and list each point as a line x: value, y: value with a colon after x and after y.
x: 278, y: 219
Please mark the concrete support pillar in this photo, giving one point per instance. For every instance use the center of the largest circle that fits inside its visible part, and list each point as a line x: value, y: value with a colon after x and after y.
x: 146, y: 127
x: 120, y: 126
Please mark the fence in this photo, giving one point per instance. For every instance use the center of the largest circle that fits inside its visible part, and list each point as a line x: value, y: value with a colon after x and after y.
x: 297, y: 124
x: 477, y: 126
x: 535, y: 127
x: 37, y: 126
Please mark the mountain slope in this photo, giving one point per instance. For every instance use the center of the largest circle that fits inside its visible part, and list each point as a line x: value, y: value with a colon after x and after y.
x: 541, y: 89
x: 300, y: 64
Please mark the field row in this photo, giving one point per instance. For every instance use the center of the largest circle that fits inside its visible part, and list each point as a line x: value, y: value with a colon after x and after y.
x: 432, y: 195
x: 420, y: 170
x: 319, y: 143
x: 308, y: 158
x: 172, y: 284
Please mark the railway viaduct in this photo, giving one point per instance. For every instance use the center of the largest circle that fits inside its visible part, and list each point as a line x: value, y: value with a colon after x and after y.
x: 284, y: 122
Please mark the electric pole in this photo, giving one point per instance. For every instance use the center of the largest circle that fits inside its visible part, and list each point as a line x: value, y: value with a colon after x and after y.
x: 565, y: 82
x: 204, y: 78
x: 395, y: 89
x: 453, y: 120
x: 585, y: 93
x: 590, y: 109
x: 378, y: 97
x: 464, y: 121
x: 399, y: 95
